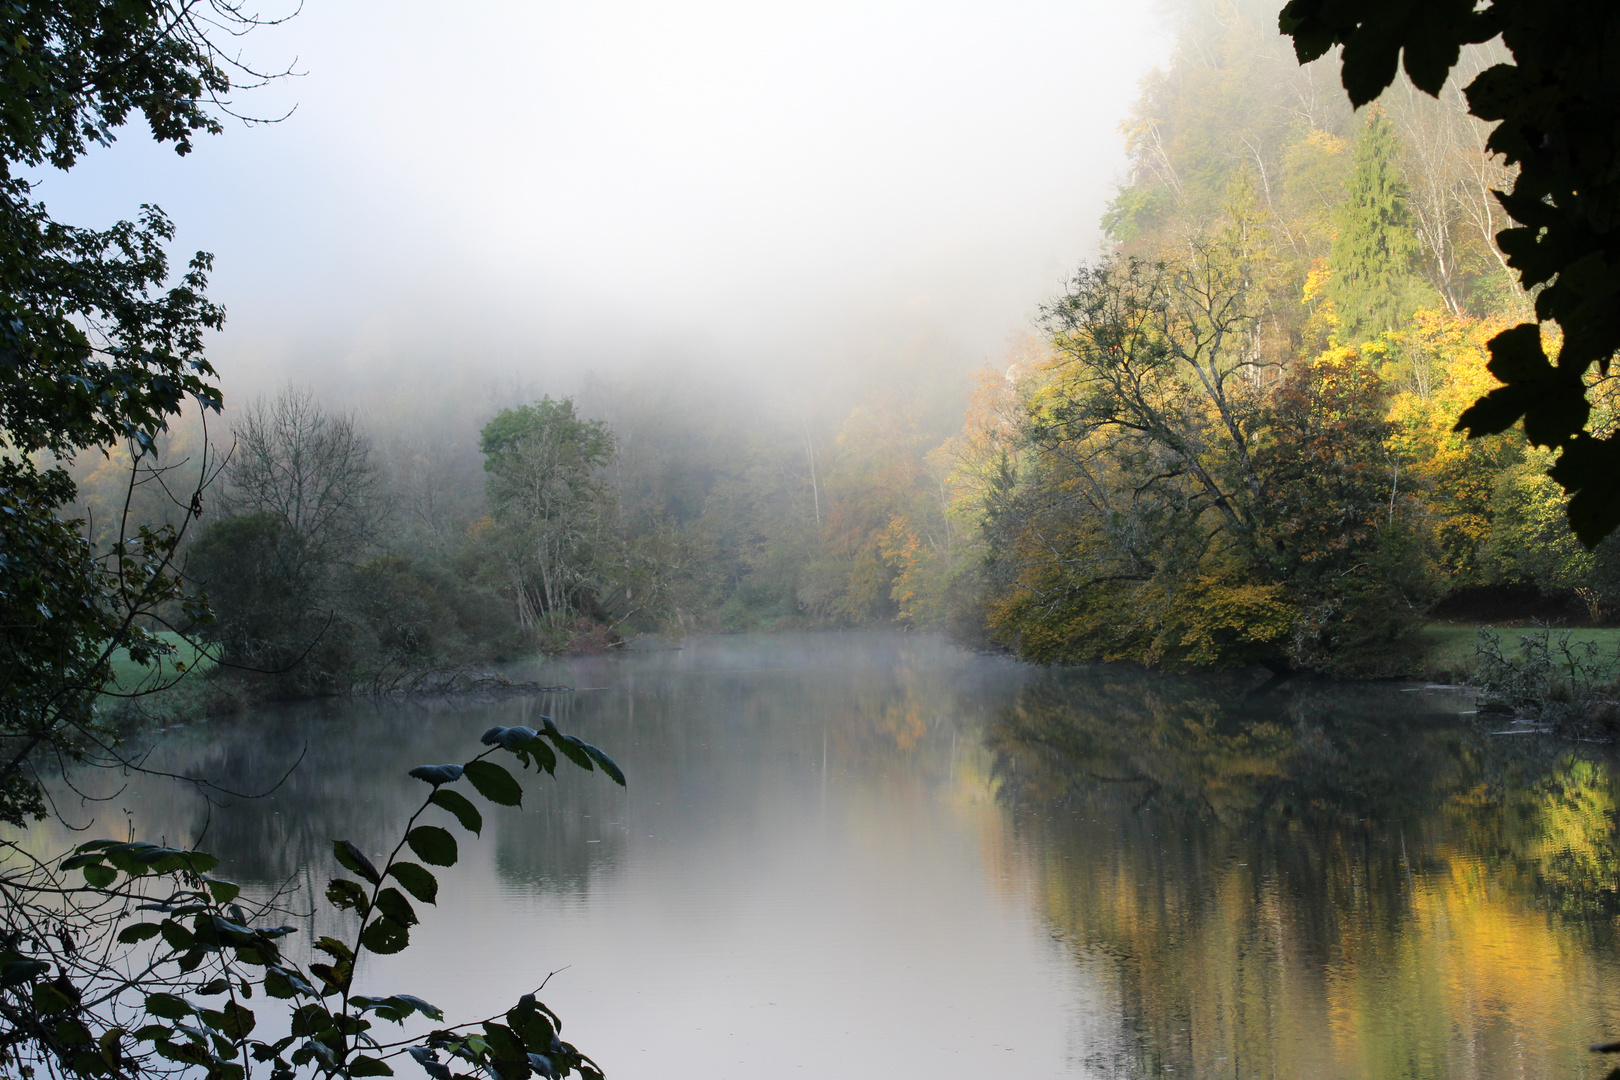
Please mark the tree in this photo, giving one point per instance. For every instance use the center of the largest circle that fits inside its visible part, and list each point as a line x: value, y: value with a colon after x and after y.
x: 310, y: 469
x: 96, y: 349
x: 1338, y: 520
x: 1558, y: 120
x: 301, y: 509
x: 1373, y: 285
x: 1178, y: 499
x: 550, y: 502
x: 1135, y: 522
x: 97, y: 346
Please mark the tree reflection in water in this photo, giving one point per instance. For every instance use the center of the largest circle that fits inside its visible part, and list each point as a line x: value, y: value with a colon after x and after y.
x: 1319, y: 881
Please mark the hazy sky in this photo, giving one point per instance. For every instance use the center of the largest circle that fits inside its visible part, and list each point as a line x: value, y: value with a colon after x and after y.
x: 523, y: 187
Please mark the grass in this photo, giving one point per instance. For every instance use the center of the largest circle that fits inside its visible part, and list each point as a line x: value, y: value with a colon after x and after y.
x: 1449, y: 648
x: 129, y: 676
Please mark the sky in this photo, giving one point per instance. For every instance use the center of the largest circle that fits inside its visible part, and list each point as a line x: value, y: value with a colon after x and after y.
x: 539, y: 189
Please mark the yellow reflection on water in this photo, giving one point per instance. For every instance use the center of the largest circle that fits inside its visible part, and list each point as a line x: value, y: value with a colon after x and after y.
x: 1322, y: 885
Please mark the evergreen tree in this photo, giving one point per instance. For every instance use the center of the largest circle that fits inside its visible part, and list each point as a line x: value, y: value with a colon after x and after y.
x: 1374, y: 284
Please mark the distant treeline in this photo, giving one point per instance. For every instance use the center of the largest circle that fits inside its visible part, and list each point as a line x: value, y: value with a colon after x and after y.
x: 340, y: 553
x: 1229, y: 443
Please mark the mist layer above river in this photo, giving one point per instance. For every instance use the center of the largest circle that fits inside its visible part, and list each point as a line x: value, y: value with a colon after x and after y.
x: 874, y: 855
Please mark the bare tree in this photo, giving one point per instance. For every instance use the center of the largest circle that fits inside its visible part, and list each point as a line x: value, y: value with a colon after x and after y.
x: 1452, y: 176
x: 311, y: 469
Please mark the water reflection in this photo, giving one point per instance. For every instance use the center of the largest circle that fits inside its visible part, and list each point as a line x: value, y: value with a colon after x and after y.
x: 1332, y: 881
x: 878, y: 855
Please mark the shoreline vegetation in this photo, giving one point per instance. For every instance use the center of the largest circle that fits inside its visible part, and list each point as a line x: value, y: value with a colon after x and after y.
x: 1551, y: 678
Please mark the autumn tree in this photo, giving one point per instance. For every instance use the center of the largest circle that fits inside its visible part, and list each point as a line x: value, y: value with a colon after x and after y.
x: 1179, y: 499
x: 1340, y: 527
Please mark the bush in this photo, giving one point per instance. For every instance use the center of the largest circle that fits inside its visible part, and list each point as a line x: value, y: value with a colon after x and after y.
x: 303, y: 629
x: 1568, y: 685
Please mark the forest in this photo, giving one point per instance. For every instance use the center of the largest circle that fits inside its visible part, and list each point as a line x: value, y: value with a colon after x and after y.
x: 1227, y: 440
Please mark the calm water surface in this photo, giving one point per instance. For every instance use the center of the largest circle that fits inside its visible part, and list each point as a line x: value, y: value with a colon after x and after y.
x: 878, y: 856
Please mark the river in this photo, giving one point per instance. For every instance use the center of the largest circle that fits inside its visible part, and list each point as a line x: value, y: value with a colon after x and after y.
x: 878, y: 855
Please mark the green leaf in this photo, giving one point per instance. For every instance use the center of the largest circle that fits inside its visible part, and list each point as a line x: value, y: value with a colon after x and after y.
x: 239, y: 1021
x: 1559, y: 411
x: 334, y: 948
x: 344, y: 894
x: 1517, y: 355
x: 194, y: 862
x: 508, y: 738
x: 531, y: 1025
x: 503, y: 1042
x: 494, y: 783
x: 167, y: 1006
x: 48, y: 1000
x: 419, y: 882
x: 433, y: 845
x: 429, y: 1062
x: 361, y: 1065
x: 1589, y: 469
x: 392, y: 903
x: 384, y: 936
x: 99, y: 875
x: 1369, y: 69
x: 94, y: 845
x: 112, y: 1045
x: 130, y: 935
x: 544, y: 757
x: 72, y: 1032
x: 436, y: 774
x: 334, y: 977
x: 223, y: 892
x: 573, y: 749
x: 465, y: 812
x: 125, y: 861
x: 355, y: 861
x: 282, y: 984
x: 432, y: 1012
x: 178, y: 937
x: 606, y: 763
x: 77, y: 861
x: 1495, y: 412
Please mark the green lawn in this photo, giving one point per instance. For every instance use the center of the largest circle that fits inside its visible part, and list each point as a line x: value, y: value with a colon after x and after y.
x: 1449, y: 650
x: 129, y: 676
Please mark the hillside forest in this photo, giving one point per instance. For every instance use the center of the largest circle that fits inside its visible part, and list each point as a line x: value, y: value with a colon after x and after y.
x: 1226, y: 440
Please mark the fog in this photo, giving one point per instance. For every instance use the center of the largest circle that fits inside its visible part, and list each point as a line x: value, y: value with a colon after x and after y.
x: 534, y: 191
